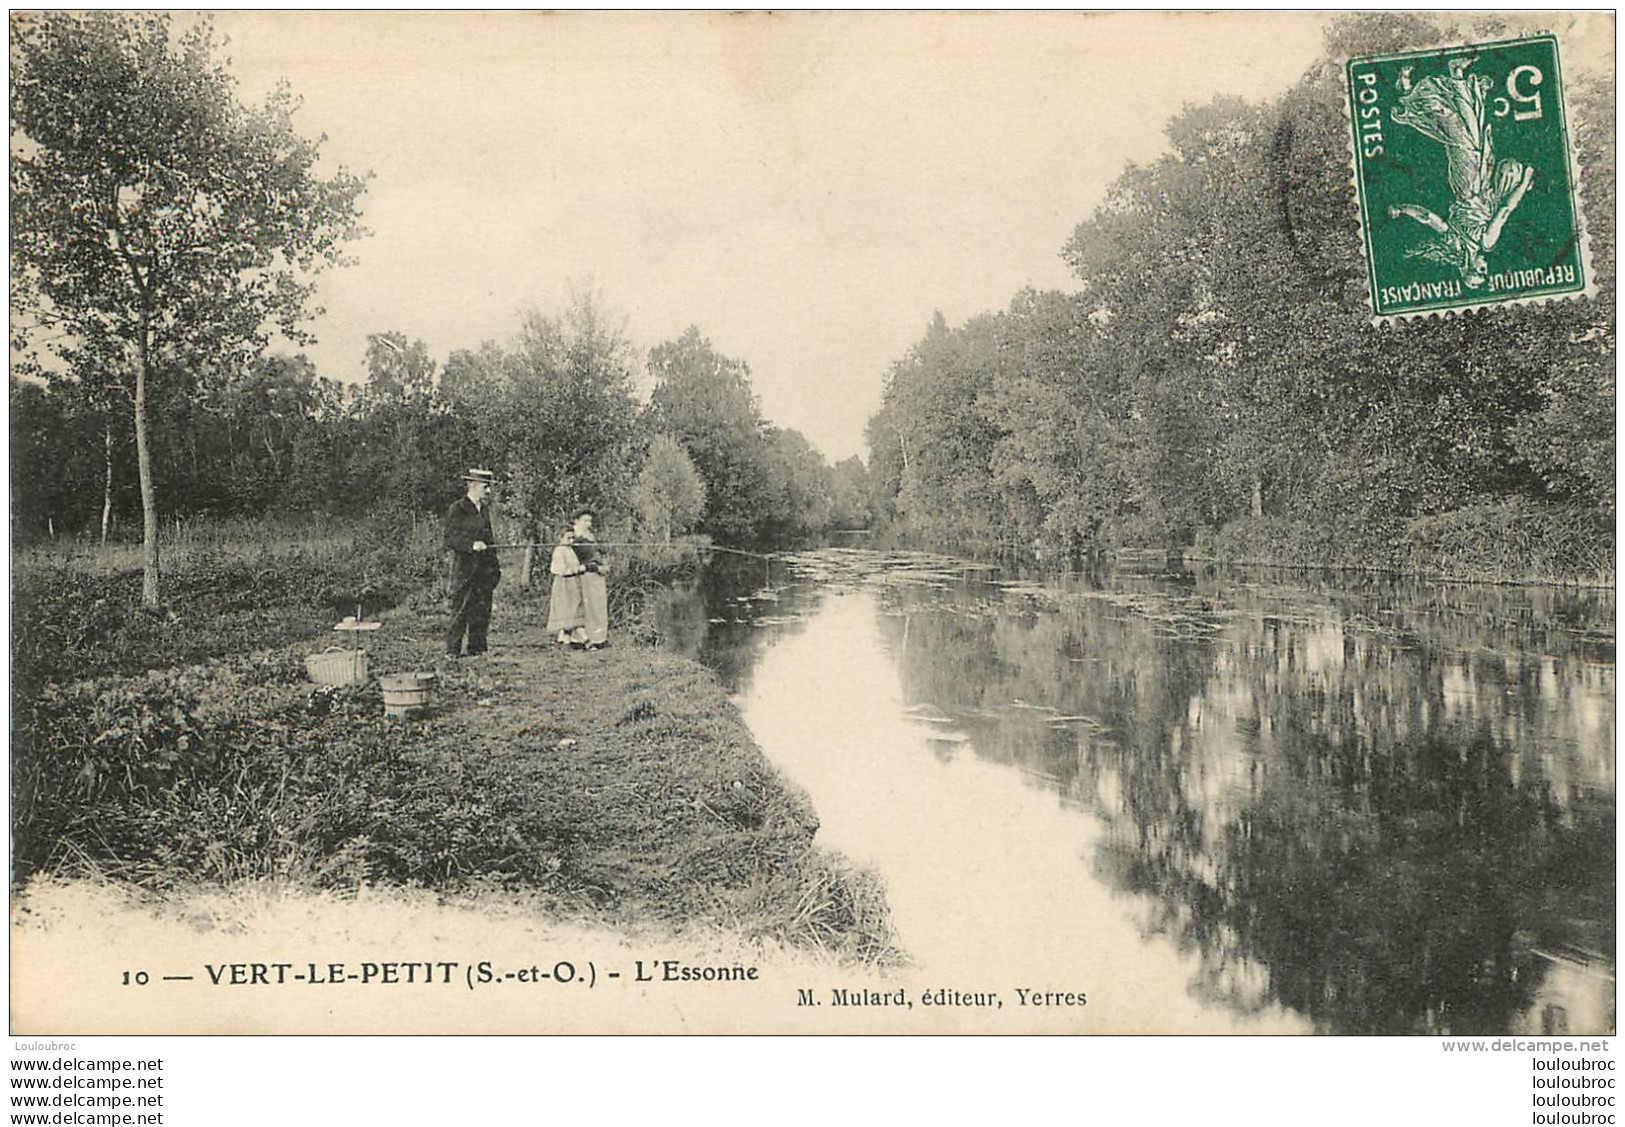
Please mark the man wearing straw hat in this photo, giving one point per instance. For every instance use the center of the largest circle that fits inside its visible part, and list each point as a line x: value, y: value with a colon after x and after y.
x: 475, y: 568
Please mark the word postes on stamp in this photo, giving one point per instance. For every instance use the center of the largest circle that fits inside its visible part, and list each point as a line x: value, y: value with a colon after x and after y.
x: 1465, y: 176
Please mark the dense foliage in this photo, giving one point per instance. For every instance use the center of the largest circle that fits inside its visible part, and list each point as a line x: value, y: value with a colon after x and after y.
x: 1217, y: 380
x: 763, y: 483
x: 670, y: 494
x: 553, y: 411
x: 159, y: 228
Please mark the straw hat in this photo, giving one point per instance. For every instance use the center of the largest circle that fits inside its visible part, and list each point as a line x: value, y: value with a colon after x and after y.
x: 485, y: 476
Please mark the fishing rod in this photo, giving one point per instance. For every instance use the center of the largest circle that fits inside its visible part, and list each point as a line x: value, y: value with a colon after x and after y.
x: 642, y: 544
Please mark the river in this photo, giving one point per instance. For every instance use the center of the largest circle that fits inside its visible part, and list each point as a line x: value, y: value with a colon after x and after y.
x: 1214, y: 800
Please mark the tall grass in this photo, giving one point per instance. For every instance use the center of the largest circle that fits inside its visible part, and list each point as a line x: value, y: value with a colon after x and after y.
x: 1511, y: 541
x: 639, y: 573
x: 227, y: 773
x: 1515, y: 540
x: 227, y: 590
x: 183, y: 541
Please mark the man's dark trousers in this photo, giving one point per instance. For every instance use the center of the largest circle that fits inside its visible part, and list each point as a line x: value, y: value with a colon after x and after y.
x: 471, y: 612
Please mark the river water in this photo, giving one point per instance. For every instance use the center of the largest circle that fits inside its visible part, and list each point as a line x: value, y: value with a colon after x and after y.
x: 1214, y: 800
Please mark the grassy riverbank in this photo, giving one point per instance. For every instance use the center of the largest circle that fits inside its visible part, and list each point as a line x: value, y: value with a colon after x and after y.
x: 614, y: 788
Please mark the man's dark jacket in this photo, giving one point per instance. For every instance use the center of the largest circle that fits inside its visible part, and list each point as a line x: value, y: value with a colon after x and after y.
x: 465, y: 524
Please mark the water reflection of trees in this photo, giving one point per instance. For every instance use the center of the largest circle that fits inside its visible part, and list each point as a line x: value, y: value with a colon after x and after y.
x: 713, y: 618
x: 1360, y: 807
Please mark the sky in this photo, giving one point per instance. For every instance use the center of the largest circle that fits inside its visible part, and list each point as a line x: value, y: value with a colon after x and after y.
x: 808, y: 189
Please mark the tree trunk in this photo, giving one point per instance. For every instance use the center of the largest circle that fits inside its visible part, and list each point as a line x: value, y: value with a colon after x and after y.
x: 1258, y: 496
x: 143, y: 461
x: 525, y: 565
x: 107, y: 480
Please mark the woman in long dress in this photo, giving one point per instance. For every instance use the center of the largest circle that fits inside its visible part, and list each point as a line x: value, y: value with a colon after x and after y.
x: 578, y: 609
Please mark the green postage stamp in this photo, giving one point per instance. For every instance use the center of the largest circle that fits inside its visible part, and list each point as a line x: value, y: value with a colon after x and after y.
x: 1466, y: 178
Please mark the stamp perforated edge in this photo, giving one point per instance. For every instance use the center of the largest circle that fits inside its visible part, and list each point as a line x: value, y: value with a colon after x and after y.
x: 1582, y: 232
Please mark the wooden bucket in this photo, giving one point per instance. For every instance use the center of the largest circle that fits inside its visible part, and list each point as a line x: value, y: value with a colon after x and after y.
x: 405, y: 694
x: 336, y: 666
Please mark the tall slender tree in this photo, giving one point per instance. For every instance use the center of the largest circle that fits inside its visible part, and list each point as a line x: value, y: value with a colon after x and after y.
x: 154, y: 217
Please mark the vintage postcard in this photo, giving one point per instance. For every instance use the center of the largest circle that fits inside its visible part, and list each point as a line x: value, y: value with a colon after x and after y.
x: 812, y: 523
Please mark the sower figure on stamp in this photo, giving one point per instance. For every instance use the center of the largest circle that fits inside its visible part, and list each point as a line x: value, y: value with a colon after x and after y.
x: 475, y: 570
x: 578, y: 610
x: 1451, y: 110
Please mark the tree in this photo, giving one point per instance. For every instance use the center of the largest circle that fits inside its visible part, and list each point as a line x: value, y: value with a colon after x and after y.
x: 934, y: 438
x: 1058, y: 400
x: 798, y: 487
x: 849, y: 492
x: 399, y: 444
x: 465, y: 404
x: 1569, y: 440
x: 670, y: 494
x: 704, y: 400
x: 565, y: 417
x: 1194, y: 277
x: 1230, y: 280
x: 60, y: 456
x: 319, y: 477
x: 154, y: 218
x: 268, y: 415
x: 471, y: 379
x: 398, y: 370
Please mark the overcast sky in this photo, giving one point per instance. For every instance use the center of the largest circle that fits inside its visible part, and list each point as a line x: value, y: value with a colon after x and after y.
x: 806, y: 188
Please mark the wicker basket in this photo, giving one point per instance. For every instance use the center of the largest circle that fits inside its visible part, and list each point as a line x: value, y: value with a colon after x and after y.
x: 335, y: 666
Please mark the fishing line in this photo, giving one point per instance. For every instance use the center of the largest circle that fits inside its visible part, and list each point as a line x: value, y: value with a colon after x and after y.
x: 645, y: 544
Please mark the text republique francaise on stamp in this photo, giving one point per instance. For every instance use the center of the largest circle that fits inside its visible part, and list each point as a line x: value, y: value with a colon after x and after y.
x: 1464, y: 169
